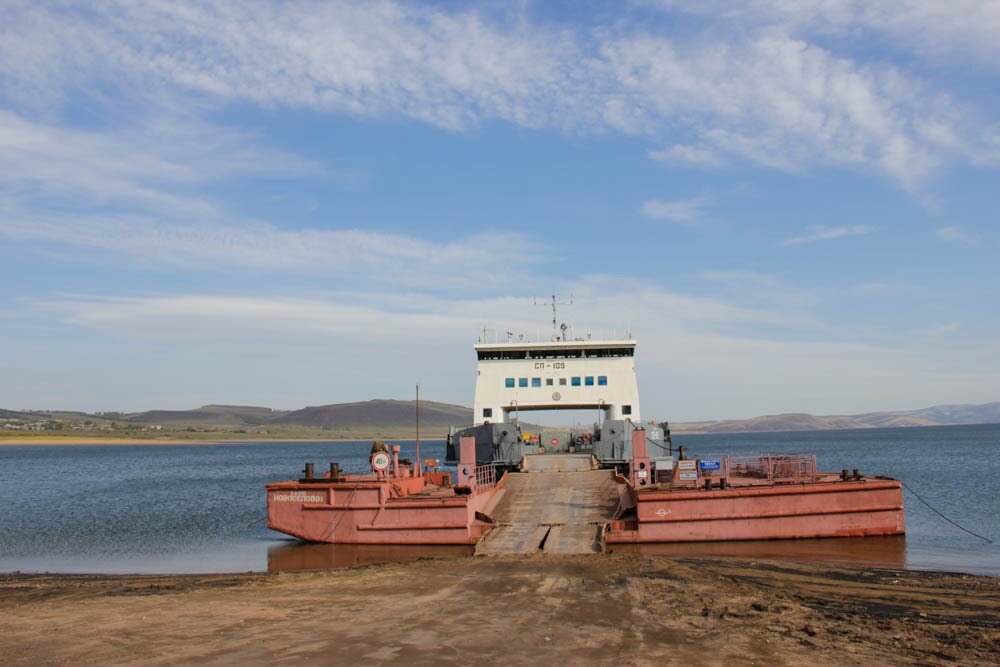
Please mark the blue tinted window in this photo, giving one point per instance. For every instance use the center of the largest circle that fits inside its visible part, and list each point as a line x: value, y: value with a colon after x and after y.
x: 509, y: 382
x: 602, y: 380
x: 536, y: 382
x: 575, y: 382
x: 522, y: 382
x: 589, y: 380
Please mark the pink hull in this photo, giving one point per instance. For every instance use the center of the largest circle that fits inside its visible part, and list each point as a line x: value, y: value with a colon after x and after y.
x: 812, y: 509
x: 368, y: 513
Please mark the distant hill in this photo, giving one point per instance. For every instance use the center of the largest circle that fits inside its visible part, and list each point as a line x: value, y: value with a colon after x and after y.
x: 396, y: 419
x: 381, y: 415
x: 937, y: 415
x: 208, y: 415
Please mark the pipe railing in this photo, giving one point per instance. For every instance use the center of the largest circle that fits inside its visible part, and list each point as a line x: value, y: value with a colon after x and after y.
x: 770, y: 467
x: 486, y: 476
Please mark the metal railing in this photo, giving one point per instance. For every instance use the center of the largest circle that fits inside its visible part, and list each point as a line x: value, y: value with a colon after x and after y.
x: 486, y: 476
x: 766, y: 467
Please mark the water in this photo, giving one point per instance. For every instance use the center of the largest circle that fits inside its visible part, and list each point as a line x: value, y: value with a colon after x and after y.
x: 202, y: 509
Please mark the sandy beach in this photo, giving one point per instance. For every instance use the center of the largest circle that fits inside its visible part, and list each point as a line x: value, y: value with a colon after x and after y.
x: 621, y: 609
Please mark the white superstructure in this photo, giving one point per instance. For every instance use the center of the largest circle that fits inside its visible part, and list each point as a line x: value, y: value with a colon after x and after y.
x: 556, y: 375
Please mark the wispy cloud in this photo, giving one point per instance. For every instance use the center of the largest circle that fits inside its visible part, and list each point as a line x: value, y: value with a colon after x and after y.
x: 695, y: 340
x: 769, y: 98
x: 822, y: 233
x: 927, y: 28
x: 155, y: 166
x: 950, y: 234
x: 880, y: 287
x: 686, y: 154
x: 943, y: 329
x: 679, y: 210
x: 754, y: 287
x: 378, y: 257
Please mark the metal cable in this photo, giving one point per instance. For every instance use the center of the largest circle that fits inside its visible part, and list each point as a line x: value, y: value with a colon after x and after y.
x: 932, y: 508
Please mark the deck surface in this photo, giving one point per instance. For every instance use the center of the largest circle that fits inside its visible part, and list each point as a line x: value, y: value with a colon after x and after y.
x: 553, y: 511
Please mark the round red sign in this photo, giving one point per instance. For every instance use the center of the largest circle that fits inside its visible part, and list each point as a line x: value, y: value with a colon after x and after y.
x: 380, y: 461
x: 555, y: 441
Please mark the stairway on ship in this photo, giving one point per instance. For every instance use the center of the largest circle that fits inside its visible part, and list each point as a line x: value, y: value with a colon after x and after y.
x: 560, y: 504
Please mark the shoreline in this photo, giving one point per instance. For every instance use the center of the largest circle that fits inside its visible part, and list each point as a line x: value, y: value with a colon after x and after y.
x: 595, y: 609
x: 73, y: 441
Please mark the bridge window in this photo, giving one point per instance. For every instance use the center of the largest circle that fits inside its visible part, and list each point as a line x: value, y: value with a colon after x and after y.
x: 536, y: 382
x: 589, y: 380
x: 575, y: 382
x: 522, y: 382
x: 487, y: 413
x: 562, y: 382
x: 602, y: 380
x: 548, y: 382
x: 509, y: 383
x: 626, y: 409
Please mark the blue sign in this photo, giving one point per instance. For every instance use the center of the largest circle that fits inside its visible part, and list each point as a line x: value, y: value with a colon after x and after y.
x: 710, y: 464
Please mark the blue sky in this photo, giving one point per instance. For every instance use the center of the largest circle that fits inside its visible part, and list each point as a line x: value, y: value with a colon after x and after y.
x: 793, y: 205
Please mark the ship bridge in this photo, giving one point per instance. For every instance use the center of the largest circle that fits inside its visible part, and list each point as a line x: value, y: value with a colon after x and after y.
x: 556, y: 375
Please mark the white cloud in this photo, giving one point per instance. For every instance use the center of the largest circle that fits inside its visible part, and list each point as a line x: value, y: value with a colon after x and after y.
x: 714, y: 371
x: 747, y: 287
x: 822, y: 233
x: 684, y: 154
x: 943, y: 329
x: 880, y: 287
x: 766, y: 98
x: 680, y: 210
x: 378, y: 257
x: 964, y: 29
x: 156, y: 166
x: 950, y: 234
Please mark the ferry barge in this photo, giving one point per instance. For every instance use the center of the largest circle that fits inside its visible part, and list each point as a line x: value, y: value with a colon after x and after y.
x: 622, y: 481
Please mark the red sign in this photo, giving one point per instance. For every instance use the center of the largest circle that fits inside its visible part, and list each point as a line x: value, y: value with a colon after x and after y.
x: 555, y: 441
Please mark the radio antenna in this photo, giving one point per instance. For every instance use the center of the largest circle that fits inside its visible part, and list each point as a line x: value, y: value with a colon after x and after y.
x: 554, y: 304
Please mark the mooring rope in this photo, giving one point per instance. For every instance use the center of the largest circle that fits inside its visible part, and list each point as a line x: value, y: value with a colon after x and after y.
x: 954, y: 523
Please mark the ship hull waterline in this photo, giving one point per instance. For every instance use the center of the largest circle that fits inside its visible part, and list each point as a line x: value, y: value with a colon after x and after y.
x: 365, y: 513
x: 858, y: 508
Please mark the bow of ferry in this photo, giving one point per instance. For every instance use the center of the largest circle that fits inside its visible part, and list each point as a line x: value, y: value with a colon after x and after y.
x: 622, y: 481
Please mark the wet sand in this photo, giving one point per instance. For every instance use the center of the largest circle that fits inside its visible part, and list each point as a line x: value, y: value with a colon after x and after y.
x: 627, y: 609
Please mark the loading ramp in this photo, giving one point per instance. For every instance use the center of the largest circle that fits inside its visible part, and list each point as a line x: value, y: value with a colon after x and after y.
x: 561, y: 504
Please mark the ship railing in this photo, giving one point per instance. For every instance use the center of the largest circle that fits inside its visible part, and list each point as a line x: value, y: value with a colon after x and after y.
x: 486, y: 476
x: 766, y: 467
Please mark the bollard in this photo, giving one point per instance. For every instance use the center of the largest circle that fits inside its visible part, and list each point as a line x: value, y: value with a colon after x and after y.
x: 308, y: 471
x: 334, y: 470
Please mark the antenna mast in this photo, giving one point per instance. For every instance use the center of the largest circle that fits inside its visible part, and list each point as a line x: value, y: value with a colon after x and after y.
x: 554, y: 304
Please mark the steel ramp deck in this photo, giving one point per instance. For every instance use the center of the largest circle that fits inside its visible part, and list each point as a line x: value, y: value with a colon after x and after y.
x: 554, y: 512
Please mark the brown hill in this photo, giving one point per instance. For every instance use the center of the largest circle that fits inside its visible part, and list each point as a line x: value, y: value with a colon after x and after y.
x: 937, y: 415
x: 381, y: 415
x: 208, y: 415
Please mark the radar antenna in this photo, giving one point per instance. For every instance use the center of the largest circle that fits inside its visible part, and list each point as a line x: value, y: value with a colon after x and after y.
x: 554, y: 304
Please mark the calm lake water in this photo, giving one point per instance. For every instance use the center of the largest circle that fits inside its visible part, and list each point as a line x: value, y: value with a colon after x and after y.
x: 165, y: 508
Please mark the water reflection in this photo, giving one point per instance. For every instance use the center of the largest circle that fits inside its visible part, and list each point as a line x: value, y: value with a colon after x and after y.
x: 885, y: 552
x: 296, y: 555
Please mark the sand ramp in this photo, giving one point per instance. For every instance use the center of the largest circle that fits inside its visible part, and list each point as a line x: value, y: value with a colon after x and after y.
x: 555, y: 512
